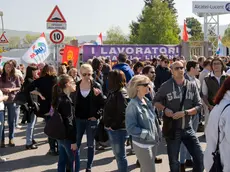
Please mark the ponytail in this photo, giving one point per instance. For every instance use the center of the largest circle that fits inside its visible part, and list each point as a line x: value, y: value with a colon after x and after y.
x: 56, y: 94
x: 58, y: 88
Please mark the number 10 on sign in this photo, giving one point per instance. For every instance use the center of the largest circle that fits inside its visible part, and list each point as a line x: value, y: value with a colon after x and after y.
x: 56, y: 36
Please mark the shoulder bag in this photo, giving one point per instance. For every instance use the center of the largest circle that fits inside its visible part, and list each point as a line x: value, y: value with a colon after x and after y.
x: 217, y: 166
x: 55, y: 127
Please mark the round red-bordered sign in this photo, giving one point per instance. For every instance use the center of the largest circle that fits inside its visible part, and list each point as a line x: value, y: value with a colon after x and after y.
x: 61, y: 51
x: 56, y: 36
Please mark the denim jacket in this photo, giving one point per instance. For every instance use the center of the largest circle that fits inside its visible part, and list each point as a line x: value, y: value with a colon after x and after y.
x: 141, y: 122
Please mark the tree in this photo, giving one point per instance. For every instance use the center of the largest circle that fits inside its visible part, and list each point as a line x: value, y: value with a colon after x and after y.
x: 14, y: 42
x: 115, y: 36
x: 171, y: 4
x: 195, y: 29
x: 135, y: 26
x: 29, y: 39
x: 226, y: 37
x: 159, y: 26
x: 68, y: 39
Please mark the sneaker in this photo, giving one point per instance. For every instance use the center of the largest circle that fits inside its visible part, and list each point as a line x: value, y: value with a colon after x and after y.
x: 88, y: 170
x: 189, y: 163
x: 158, y: 160
x: 32, y: 146
x: 3, y: 145
x: 11, y: 143
x: 18, y: 126
x: 34, y: 142
x: 2, y: 159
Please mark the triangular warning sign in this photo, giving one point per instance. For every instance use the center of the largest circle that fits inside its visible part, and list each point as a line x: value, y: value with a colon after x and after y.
x: 56, y: 16
x: 3, y: 39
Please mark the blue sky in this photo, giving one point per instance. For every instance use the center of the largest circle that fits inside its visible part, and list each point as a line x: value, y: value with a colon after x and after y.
x: 84, y: 17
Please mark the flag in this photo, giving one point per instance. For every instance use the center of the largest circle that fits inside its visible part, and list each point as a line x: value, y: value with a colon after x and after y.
x: 99, y: 40
x: 185, y: 33
x: 38, y: 52
x: 219, y: 50
x: 70, y: 53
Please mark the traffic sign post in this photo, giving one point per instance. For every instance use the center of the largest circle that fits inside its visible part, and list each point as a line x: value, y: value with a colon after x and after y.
x: 3, y: 40
x: 56, y: 36
x: 61, y: 51
x: 56, y: 20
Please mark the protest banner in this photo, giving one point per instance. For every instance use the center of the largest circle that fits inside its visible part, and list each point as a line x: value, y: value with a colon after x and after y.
x: 143, y: 52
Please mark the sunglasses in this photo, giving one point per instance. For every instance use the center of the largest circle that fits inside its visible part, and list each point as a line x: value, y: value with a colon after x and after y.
x: 166, y: 62
x: 152, y: 72
x: 86, y: 74
x: 177, y: 68
x: 145, y: 84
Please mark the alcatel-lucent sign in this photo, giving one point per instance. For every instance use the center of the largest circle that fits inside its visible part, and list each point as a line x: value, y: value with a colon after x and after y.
x: 218, y: 7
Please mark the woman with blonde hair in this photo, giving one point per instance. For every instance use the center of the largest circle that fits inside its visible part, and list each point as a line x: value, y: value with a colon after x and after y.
x: 141, y: 123
x: 88, y: 101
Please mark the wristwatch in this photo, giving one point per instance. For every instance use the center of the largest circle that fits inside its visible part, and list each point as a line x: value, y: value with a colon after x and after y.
x: 186, y: 112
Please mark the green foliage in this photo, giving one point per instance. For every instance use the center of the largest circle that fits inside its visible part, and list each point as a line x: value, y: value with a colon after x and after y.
x: 159, y: 25
x: 68, y: 39
x: 14, y: 42
x: 226, y: 37
x: 115, y: 36
x: 29, y: 39
x: 195, y: 29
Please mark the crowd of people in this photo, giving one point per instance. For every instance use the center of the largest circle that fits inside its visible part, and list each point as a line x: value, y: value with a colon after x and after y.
x: 127, y: 102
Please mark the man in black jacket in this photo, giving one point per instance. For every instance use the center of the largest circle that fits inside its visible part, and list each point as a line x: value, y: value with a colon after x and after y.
x: 162, y: 72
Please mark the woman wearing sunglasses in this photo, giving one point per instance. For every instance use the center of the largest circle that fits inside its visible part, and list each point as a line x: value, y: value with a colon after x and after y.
x: 141, y: 123
x: 88, y: 101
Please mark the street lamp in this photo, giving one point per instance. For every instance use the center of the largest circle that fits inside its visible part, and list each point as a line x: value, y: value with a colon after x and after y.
x: 1, y: 15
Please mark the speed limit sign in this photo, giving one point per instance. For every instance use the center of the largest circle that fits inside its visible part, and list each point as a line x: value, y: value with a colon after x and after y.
x: 56, y: 36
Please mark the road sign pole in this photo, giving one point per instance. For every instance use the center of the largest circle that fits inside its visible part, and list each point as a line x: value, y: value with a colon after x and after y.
x: 56, y: 55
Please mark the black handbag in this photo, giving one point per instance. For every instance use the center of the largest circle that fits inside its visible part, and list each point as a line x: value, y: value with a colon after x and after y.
x: 217, y: 166
x: 55, y: 127
x: 20, y: 97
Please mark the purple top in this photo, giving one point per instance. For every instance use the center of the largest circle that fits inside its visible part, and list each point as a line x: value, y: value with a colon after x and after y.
x: 13, y: 82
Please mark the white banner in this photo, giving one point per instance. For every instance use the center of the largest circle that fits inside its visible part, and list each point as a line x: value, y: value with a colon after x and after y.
x: 38, y: 52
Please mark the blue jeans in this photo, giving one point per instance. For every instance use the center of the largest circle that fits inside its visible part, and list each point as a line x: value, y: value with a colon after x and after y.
x: 117, y: 140
x: 65, y: 154
x: 30, y: 129
x: 11, y: 111
x: 188, y: 137
x: 184, y: 154
x: 91, y: 128
x: 17, y: 110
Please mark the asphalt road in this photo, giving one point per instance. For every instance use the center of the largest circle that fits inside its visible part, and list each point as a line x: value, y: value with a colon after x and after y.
x: 21, y: 160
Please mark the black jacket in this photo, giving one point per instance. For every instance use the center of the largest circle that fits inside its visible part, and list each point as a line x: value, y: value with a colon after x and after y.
x: 95, y: 104
x: 162, y: 75
x: 45, y: 86
x: 66, y: 109
x: 114, y: 110
x: 26, y: 89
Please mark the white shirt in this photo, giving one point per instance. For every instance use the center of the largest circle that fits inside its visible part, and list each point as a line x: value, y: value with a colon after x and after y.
x: 211, y: 133
x: 1, y: 103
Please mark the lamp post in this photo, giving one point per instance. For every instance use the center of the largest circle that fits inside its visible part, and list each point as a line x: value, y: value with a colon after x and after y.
x: 1, y: 15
